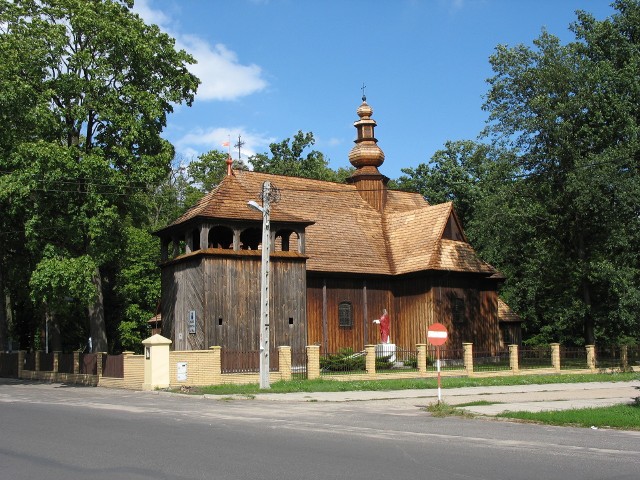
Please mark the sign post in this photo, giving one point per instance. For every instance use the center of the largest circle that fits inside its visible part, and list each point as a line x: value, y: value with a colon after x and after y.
x: 437, y: 336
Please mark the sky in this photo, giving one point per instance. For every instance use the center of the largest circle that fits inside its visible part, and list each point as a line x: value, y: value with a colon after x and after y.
x: 270, y: 68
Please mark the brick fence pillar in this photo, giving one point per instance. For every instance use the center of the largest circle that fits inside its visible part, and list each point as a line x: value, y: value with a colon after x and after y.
x: 370, y: 359
x: 56, y: 362
x: 313, y: 362
x: 468, y: 357
x: 284, y: 360
x: 591, y: 357
x: 513, y: 358
x: 76, y: 362
x: 37, y: 362
x: 555, y: 356
x: 99, y: 357
x: 422, y: 357
x: 216, y: 361
x: 21, y: 354
x: 624, y: 358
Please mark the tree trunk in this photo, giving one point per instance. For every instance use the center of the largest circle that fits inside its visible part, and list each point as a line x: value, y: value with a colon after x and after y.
x: 53, y: 331
x: 589, y: 327
x: 3, y: 316
x: 97, y: 327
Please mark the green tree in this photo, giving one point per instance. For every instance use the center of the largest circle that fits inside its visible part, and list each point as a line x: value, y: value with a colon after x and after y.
x: 86, y: 88
x: 206, y: 172
x: 569, y: 113
x: 138, y: 285
x: 286, y: 159
x: 463, y: 172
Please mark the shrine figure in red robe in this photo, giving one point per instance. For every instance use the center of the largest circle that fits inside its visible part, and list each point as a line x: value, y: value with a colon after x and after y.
x: 385, y: 326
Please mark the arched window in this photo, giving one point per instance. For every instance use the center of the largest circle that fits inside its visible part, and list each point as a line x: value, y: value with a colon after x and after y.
x: 250, y: 238
x: 286, y: 241
x: 221, y: 237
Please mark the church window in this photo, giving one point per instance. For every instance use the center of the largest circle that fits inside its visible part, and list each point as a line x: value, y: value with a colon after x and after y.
x: 345, y: 314
x: 458, y: 310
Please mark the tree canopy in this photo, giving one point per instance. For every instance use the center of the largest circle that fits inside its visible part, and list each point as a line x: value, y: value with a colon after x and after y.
x: 85, y: 90
x: 570, y: 114
x: 552, y: 200
x: 286, y: 159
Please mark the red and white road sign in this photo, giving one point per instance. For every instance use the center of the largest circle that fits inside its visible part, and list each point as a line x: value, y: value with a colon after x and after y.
x: 437, y: 334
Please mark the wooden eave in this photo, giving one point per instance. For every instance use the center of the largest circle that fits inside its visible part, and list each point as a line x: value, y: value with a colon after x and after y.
x: 224, y: 252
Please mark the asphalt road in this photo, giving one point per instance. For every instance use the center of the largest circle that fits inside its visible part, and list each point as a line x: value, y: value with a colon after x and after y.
x: 62, y: 432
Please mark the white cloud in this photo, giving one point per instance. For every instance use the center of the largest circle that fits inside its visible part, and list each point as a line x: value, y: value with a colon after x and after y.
x: 149, y: 15
x: 201, y: 141
x: 222, y: 75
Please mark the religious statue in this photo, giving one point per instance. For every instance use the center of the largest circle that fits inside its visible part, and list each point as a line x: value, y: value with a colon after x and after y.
x: 385, y: 326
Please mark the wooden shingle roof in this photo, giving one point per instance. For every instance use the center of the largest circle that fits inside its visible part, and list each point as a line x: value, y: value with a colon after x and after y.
x: 345, y: 234
x: 505, y: 314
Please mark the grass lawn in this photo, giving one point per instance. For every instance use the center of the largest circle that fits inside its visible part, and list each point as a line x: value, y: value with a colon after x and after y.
x: 625, y: 417
x: 328, y: 385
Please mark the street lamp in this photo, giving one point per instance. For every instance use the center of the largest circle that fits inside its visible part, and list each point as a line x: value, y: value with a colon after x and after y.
x: 264, y: 283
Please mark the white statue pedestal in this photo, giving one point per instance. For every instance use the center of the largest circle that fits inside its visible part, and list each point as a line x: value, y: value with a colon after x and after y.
x: 386, y: 350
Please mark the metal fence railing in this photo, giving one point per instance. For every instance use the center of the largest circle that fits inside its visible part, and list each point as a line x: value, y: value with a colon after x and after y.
x: 246, y: 361
x: 404, y: 361
x: 343, y: 362
x: 299, y: 365
x: 573, y: 358
x: 534, y: 357
x: 491, y: 362
x: 451, y: 359
x: 633, y: 356
x: 609, y: 356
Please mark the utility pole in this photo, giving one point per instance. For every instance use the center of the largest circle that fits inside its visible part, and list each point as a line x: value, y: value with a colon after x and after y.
x: 264, y: 293
x: 264, y: 283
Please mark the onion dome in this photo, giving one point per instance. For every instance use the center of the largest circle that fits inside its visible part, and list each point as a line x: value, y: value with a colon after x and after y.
x: 366, y: 152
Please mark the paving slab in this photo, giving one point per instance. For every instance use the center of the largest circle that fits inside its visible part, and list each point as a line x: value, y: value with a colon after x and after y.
x: 532, y: 398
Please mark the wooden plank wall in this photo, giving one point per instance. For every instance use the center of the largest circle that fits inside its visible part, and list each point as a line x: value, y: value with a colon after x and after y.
x: 233, y: 302
x: 182, y: 288
x: 288, y: 312
x: 414, y: 310
x: 481, y: 311
x: 413, y: 303
x: 367, y: 297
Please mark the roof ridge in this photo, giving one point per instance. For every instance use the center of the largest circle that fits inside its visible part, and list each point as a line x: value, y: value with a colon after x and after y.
x: 293, y: 178
x: 441, y: 229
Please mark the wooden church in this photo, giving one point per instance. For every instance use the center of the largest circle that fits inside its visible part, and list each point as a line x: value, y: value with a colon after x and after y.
x: 340, y: 255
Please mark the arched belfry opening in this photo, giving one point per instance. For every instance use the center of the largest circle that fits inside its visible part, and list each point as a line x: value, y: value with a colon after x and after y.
x: 287, y: 240
x: 250, y: 238
x: 220, y: 237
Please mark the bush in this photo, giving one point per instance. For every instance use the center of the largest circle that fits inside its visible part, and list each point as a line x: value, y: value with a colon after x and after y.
x: 343, y: 361
x: 411, y: 362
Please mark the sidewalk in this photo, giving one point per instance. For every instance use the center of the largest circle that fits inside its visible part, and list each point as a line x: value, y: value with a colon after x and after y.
x: 531, y: 398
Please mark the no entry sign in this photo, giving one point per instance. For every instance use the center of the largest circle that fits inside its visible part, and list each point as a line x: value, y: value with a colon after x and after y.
x: 437, y: 334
